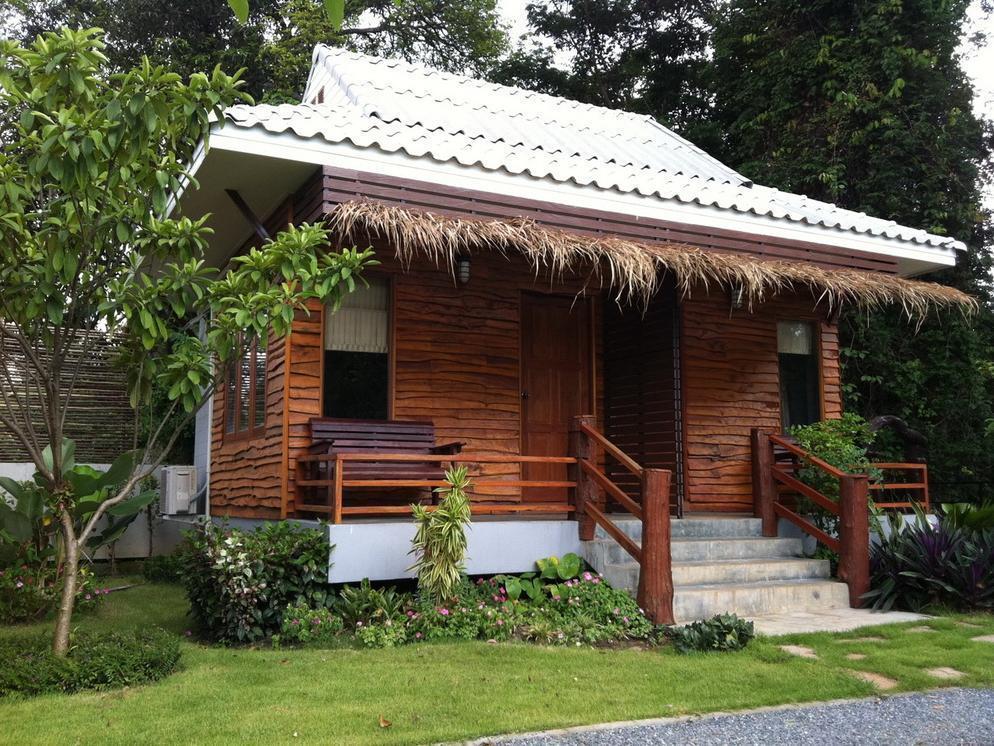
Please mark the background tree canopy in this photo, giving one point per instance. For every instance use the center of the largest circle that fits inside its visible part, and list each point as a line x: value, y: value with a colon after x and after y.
x: 863, y: 103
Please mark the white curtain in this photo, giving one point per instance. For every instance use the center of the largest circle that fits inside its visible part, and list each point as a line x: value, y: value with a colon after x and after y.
x: 361, y: 322
x: 795, y: 338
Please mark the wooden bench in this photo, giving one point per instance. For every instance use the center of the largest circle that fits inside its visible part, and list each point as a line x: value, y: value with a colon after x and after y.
x: 331, y: 436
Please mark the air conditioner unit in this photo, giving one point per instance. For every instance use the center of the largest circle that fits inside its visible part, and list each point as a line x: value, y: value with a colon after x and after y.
x: 178, y: 490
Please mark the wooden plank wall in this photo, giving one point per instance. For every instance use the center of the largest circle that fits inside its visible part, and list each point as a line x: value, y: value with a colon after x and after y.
x: 247, y: 475
x: 731, y: 384
x: 455, y: 359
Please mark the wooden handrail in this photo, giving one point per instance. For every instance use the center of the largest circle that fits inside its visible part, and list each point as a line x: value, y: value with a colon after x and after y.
x: 655, y: 590
x: 460, y: 458
x: 611, y: 449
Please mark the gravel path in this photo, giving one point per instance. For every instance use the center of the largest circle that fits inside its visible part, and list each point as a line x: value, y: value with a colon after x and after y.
x: 946, y: 717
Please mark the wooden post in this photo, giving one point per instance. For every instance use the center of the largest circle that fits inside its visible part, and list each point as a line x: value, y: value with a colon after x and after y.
x: 336, y: 508
x: 655, y: 592
x: 586, y: 490
x: 854, y: 536
x: 764, y: 490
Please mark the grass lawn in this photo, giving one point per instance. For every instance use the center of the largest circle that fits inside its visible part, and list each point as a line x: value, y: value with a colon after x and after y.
x: 454, y: 691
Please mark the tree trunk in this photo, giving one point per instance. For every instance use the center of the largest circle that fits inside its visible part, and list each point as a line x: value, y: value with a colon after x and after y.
x: 60, y: 643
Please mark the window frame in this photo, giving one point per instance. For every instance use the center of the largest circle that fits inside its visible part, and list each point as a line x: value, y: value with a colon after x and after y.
x: 232, y: 389
x: 390, y: 280
x: 816, y: 330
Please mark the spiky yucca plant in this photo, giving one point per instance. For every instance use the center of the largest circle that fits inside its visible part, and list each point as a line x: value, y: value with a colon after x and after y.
x: 440, y: 541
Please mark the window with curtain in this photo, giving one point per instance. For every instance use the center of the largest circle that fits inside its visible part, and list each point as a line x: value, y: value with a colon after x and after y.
x: 245, y: 393
x: 797, y: 348
x: 356, y: 354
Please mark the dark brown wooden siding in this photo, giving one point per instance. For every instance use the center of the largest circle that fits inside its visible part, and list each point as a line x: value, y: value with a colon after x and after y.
x: 731, y: 384
x: 248, y: 475
x: 640, y: 401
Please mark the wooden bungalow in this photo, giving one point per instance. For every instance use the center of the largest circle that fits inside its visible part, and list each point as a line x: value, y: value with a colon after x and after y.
x: 592, y: 314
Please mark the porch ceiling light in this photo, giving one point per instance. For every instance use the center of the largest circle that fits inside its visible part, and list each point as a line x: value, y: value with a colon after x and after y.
x: 462, y: 269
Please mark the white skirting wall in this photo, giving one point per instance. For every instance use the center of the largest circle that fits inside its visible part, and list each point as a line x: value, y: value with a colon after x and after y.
x: 379, y: 550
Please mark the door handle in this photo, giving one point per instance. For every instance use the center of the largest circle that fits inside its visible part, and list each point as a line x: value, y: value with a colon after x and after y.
x: 524, y: 394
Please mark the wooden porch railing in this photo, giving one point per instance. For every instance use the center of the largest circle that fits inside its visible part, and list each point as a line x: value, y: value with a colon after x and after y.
x: 772, y: 477
x: 918, y: 484
x: 335, y: 486
x: 655, y: 589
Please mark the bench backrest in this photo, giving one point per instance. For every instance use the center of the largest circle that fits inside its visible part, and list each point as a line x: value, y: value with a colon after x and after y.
x: 358, y: 436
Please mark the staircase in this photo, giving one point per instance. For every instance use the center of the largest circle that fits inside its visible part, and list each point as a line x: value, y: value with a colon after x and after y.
x: 724, y: 565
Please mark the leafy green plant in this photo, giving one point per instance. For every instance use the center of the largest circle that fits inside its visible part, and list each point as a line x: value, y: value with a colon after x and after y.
x: 364, y: 605
x: 920, y: 565
x: 96, y: 661
x: 439, y: 544
x: 240, y: 582
x: 969, y: 516
x: 720, y: 633
x: 164, y: 568
x: 303, y: 625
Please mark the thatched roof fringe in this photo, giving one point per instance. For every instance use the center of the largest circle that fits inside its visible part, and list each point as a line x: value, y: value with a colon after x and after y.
x: 632, y: 268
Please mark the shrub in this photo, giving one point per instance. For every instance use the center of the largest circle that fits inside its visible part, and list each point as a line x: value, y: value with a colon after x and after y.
x: 920, y: 565
x: 164, y: 568
x: 440, y: 542
x: 240, y: 582
x: 103, y: 661
x: 29, y: 591
x: 365, y: 605
x: 303, y: 625
x: 720, y: 633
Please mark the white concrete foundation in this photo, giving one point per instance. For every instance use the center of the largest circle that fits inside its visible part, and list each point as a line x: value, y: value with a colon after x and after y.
x: 380, y: 550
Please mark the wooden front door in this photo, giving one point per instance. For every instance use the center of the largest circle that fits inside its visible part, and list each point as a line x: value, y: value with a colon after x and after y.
x: 555, y: 383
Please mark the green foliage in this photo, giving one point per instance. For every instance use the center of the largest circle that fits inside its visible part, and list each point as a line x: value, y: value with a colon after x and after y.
x: 30, y: 590
x: 921, y: 566
x: 867, y: 106
x: 843, y: 443
x: 551, y: 570
x: 303, y: 625
x: 366, y: 605
x: 240, y: 582
x: 439, y: 543
x: 720, y: 633
x: 968, y: 516
x: 97, y: 661
x: 275, y: 43
x: 164, y: 568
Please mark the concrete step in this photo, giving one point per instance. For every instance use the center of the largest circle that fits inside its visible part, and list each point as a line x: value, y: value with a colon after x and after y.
x: 601, y: 552
x: 692, y: 527
x: 626, y: 574
x: 692, y: 602
x: 749, y: 571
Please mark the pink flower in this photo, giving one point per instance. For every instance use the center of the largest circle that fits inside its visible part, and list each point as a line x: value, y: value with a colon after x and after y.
x: 443, y: 612
x: 595, y: 581
x: 19, y: 584
x: 587, y: 576
x: 625, y: 620
x: 410, y: 614
x: 295, y: 622
x: 557, y: 598
x: 500, y: 622
x: 188, y: 633
x: 417, y: 635
x: 358, y: 624
x: 87, y: 596
x: 617, y: 611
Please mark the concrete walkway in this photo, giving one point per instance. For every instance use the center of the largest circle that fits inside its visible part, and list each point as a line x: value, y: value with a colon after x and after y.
x: 947, y: 717
x: 828, y: 620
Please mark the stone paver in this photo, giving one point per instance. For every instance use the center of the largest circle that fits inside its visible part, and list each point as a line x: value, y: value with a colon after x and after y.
x: 800, y: 651
x: 880, y: 681
x: 983, y: 638
x: 855, y: 657
x: 922, y: 628
x: 944, y: 672
x: 949, y: 717
x: 828, y: 620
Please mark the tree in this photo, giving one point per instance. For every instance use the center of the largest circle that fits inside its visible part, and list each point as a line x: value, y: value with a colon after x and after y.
x: 274, y: 44
x: 865, y: 104
x: 646, y: 57
x: 89, y: 162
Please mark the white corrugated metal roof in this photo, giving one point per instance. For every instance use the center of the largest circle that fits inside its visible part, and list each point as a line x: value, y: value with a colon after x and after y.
x: 395, y: 106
